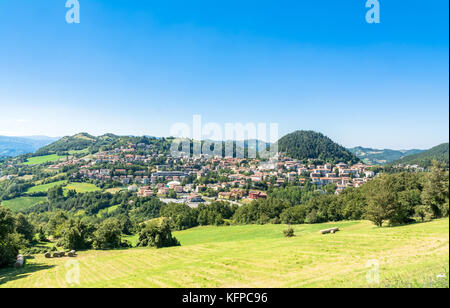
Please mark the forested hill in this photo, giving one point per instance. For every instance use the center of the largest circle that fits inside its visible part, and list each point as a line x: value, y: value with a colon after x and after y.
x: 313, y: 145
x: 381, y: 157
x: 439, y: 153
x: 83, y: 141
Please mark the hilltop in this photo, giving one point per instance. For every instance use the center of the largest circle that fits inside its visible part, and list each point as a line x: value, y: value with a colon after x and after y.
x: 305, y: 145
x: 439, y: 153
x: 380, y: 157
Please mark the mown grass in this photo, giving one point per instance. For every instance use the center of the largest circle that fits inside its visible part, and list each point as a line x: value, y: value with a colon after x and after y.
x: 38, y: 160
x: 108, y: 210
x: 78, y: 187
x: 114, y: 190
x: 45, y: 187
x: 22, y: 203
x: 82, y: 187
x: 260, y: 256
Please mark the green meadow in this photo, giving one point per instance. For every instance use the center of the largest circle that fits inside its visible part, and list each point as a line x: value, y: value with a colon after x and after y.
x: 78, y: 187
x: 45, y: 187
x: 260, y: 256
x: 108, y: 210
x: 38, y: 160
x: 22, y: 203
x: 82, y: 187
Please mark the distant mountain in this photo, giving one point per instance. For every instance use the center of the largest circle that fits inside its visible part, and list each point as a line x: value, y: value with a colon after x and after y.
x: 13, y: 146
x: 424, y: 159
x: 312, y: 145
x: 381, y: 157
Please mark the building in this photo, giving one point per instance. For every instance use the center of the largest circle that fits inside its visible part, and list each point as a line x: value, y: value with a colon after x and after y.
x: 255, y: 195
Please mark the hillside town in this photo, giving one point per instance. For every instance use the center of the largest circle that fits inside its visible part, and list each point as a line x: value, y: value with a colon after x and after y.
x: 199, y: 179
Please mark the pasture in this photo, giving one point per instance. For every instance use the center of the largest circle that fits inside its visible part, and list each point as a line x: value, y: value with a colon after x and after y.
x: 260, y: 256
x: 81, y: 187
x: 45, y: 187
x: 38, y: 160
x: 22, y: 203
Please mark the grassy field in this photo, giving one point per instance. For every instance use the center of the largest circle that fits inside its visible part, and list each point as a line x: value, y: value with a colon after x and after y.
x: 84, y: 151
x: 22, y: 203
x: 114, y: 190
x: 82, y: 187
x: 43, y: 159
x: 78, y: 187
x: 259, y: 256
x: 44, y: 187
x: 108, y: 210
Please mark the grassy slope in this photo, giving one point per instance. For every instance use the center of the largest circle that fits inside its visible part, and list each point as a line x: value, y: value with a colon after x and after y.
x: 45, y: 187
x: 82, y: 187
x: 257, y: 256
x: 43, y: 159
x: 22, y: 203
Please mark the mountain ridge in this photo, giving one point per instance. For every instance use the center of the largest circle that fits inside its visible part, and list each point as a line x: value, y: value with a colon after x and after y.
x: 381, y: 156
x: 14, y: 146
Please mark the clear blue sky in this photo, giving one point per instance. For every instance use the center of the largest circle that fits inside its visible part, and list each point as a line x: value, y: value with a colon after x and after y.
x: 137, y: 67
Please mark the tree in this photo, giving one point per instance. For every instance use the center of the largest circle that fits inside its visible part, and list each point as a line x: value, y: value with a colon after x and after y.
x: 381, y: 200
x: 24, y: 227
x: 7, y: 222
x: 76, y: 235
x: 408, y: 200
x: 294, y: 215
x: 108, y: 235
x: 181, y: 215
x: 10, y: 242
x: 435, y: 191
x: 157, y: 234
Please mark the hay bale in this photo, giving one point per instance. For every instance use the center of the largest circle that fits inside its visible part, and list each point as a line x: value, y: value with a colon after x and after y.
x: 62, y: 254
x: 48, y: 255
x: 332, y: 231
x: 20, y: 261
x: 72, y: 253
x: 56, y: 255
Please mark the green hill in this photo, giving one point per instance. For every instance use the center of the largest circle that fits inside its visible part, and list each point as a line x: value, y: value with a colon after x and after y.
x: 92, y: 144
x: 312, y: 145
x: 381, y: 157
x: 424, y: 159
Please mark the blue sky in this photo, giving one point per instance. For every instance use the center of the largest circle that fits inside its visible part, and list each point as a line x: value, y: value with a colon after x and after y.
x: 131, y: 67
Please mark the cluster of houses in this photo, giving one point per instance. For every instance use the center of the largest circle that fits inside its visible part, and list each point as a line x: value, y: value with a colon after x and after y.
x: 162, y: 175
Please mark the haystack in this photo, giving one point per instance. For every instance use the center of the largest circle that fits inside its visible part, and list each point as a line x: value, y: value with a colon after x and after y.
x: 332, y: 231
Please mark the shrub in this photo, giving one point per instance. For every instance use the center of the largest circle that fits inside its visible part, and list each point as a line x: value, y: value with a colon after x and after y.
x: 289, y: 232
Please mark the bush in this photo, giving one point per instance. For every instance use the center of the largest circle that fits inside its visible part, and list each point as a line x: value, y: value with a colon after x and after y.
x: 157, y: 234
x: 289, y: 232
